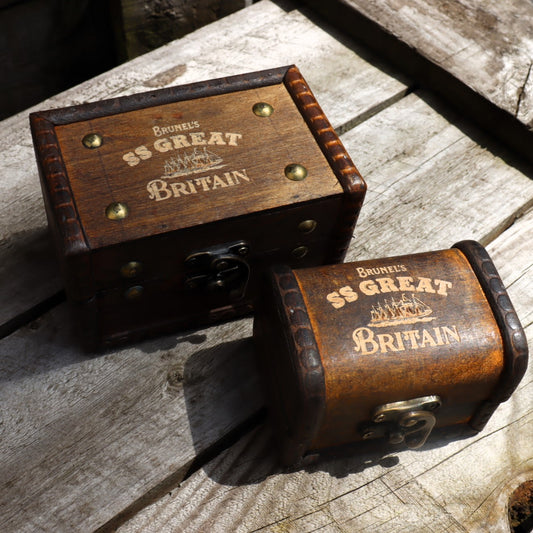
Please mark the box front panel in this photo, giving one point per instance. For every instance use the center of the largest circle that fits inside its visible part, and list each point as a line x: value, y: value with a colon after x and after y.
x: 401, y: 328
x: 151, y: 285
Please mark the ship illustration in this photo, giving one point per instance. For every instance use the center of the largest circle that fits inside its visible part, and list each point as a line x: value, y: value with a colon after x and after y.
x: 199, y: 160
x: 406, y: 310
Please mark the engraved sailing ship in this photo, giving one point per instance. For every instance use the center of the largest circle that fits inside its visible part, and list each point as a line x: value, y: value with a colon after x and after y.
x: 406, y: 310
x: 199, y: 160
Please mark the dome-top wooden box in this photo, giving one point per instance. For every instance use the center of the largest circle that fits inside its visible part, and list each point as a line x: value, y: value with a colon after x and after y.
x: 164, y: 205
x: 386, y: 348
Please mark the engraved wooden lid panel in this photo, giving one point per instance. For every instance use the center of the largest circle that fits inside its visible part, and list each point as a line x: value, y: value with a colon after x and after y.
x: 400, y: 328
x: 191, y: 162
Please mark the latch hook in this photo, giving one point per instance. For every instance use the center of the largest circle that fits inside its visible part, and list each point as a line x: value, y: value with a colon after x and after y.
x: 409, y: 421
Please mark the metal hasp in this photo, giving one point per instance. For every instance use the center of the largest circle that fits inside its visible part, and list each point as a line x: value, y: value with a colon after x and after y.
x: 220, y: 269
x: 409, y: 421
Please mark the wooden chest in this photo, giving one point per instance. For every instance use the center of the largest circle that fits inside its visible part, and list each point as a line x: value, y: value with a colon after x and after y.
x: 164, y: 206
x: 387, y: 349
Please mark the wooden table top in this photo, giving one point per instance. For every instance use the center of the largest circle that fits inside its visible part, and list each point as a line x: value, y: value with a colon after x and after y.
x: 170, y: 434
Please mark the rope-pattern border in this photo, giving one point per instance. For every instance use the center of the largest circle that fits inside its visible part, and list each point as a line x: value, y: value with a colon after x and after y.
x: 190, y: 91
x: 515, y: 350
x: 352, y: 183
x: 56, y: 187
x: 305, y: 356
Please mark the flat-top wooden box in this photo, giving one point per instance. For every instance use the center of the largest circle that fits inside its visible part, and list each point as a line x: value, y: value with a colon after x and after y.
x: 164, y: 205
x: 387, y: 348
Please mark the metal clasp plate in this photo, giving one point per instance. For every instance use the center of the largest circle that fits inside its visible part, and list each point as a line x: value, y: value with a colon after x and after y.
x: 220, y: 269
x: 409, y: 421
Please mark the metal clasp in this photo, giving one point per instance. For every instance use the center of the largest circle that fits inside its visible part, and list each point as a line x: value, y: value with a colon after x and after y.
x: 220, y: 269
x: 409, y: 421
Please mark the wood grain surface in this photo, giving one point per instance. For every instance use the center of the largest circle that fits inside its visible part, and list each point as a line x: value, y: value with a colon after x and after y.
x: 92, y: 443
x: 368, y: 363
x: 253, y: 150
x: 477, y: 55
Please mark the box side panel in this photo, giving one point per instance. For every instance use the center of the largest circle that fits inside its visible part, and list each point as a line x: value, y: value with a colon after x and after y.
x: 340, y: 161
x: 63, y: 219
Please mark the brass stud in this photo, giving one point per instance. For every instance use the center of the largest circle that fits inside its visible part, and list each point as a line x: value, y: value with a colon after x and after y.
x: 295, y: 172
x: 300, y: 252
x: 117, y: 211
x: 131, y: 269
x: 307, y: 226
x: 432, y: 406
x: 92, y: 140
x: 262, y: 109
x: 221, y: 265
x: 409, y: 423
x: 134, y: 293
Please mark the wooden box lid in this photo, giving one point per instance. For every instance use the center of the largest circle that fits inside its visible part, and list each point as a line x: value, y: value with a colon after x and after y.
x: 142, y: 165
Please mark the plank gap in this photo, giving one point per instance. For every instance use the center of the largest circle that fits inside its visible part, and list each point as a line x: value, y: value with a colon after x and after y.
x: 507, y: 223
x: 175, y: 479
x: 31, y: 314
x: 372, y: 111
x: 411, y: 62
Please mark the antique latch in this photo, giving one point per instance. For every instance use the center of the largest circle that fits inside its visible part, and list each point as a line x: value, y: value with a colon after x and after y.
x: 409, y: 421
x: 221, y: 269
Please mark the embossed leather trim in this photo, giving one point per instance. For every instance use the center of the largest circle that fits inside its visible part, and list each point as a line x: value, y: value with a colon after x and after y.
x: 303, y: 351
x: 352, y: 183
x: 122, y: 104
x: 513, y: 336
x: 57, y: 193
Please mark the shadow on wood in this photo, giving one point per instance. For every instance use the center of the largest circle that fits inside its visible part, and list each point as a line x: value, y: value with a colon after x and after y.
x: 225, y: 407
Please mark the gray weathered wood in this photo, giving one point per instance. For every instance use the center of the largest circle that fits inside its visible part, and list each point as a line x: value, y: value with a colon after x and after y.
x: 261, y: 36
x: 83, y: 439
x: 478, y: 54
x: 145, y: 25
x: 429, y: 184
x: 451, y: 485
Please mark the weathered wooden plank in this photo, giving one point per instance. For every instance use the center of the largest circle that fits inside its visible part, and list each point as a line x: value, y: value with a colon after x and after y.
x: 261, y: 36
x: 450, y: 485
x: 145, y: 26
x: 430, y: 184
x: 83, y: 438
x: 416, y: 144
x: 477, y: 54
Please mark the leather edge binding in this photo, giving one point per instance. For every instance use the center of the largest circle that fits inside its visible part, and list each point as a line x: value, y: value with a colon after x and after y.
x: 190, y: 91
x: 353, y: 185
x: 55, y: 185
x: 306, y: 359
x: 513, y: 335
